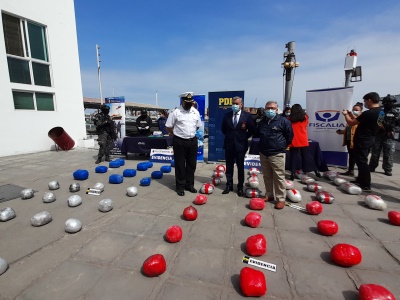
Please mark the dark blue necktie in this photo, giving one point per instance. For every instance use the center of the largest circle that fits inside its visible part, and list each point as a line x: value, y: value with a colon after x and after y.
x: 235, y: 120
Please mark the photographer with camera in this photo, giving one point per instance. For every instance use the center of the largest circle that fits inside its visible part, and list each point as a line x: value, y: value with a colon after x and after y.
x: 389, y: 123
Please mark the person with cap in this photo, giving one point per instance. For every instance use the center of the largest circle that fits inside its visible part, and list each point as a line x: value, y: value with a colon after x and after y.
x: 143, y: 123
x: 105, y: 128
x: 183, y: 123
x: 384, y: 140
x: 237, y: 126
x: 364, y: 137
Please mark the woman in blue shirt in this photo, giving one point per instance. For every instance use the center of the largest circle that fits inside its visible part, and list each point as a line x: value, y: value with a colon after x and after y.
x: 161, y: 122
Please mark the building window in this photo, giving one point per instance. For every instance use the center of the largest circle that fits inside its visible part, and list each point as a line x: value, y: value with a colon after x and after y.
x: 27, y: 54
x: 33, y: 100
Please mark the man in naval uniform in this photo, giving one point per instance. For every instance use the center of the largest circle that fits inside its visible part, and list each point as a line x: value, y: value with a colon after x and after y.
x: 183, y: 123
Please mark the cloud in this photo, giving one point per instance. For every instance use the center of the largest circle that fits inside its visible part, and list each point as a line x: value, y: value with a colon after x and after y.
x: 252, y: 64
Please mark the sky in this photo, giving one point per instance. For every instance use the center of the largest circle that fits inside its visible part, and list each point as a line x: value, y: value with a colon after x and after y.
x: 165, y: 48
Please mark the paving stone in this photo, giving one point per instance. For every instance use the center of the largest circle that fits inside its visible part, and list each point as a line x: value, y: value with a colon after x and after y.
x: 310, y: 283
x: 293, y: 220
x: 389, y: 280
x: 347, y: 227
x: 68, y: 281
x: 382, y: 229
x: 120, y: 284
x: 216, y: 212
x: 144, y: 205
x: 216, y: 233
x: 105, y: 248
x: 361, y: 212
x: 173, y: 290
x: 374, y: 256
x: 132, y: 259
x: 161, y: 224
x: 132, y: 223
x: 393, y: 248
x: 205, y: 264
x: 302, y: 245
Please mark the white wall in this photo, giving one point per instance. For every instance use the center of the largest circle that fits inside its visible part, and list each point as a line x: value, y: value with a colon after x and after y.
x: 26, y: 131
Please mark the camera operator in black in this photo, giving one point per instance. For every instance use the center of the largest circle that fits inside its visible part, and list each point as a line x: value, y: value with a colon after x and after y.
x: 389, y: 122
x: 105, y: 128
x: 143, y: 123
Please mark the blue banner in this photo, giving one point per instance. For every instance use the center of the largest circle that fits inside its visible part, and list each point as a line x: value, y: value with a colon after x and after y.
x: 201, y: 107
x: 117, y: 114
x: 218, y: 104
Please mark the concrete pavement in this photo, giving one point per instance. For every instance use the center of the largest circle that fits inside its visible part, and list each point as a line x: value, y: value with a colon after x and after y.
x: 104, y: 259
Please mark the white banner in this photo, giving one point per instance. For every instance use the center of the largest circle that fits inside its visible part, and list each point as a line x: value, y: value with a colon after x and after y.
x: 324, y: 109
x: 161, y: 155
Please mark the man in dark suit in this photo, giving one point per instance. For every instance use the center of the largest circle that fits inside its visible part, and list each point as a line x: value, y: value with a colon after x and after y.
x: 237, y: 126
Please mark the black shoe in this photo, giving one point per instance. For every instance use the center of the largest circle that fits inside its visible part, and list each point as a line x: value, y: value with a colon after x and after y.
x: 366, y: 189
x: 191, y: 189
x: 348, y: 173
x: 388, y: 173
x: 318, y: 174
x: 107, y: 158
x: 98, y: 161
x: 180, y: 193
x: 227, y: 190
x: 292, y: 177
x: 240, y: 193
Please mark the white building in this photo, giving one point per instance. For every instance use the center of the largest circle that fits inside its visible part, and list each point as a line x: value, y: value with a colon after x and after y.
x: 40, y: 81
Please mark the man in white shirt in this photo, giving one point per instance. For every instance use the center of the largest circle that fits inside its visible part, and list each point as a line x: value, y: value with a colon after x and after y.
x: 183, y: 123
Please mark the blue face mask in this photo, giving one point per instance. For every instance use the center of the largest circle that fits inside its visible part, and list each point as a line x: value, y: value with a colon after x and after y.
x: 287, y: 114
x: 356, y: 112
x: 270, y: 113
x: 235, y: 108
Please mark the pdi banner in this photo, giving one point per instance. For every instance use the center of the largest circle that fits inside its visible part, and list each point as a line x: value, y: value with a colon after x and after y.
x: 117, y: 114
x: 218, y: 104
x: 201, y: 107
x: 324, y: 109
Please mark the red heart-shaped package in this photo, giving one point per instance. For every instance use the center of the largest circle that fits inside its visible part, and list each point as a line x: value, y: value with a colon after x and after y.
x: 200, y: 199
x: 154, y: 265
x: 173, y: 234
x: 346, y: 255
x: 256, y: 245
x: 314, y: 208
x: 252, y: 282
x: 394, y: 217
x: 327, y: 227
x: 253, y: 219
x: 190, y: 213
x: 374, y: 292
x: 257, y: 203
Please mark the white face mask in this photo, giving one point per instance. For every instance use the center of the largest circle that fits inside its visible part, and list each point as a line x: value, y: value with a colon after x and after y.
x: 356, y: 112
x: 365, y: 105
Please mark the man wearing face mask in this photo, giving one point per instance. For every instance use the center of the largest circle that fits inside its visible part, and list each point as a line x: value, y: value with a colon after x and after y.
x: 183, y: 123
x: 364, y: 137
x: 275, y: 132
x: 237, y: 126
x: 143, y: 123
x: 385, y: 137
x: 105, y: 131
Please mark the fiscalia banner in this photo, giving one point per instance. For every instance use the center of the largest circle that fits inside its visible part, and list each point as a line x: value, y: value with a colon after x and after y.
x: 324, y: 109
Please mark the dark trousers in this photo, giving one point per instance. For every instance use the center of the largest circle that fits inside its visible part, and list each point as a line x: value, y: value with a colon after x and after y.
x: 105, y: 142
x: 185, y: 156
x: 352, y: 159
x: 231, y: 156
x: 361, y: 151
x: 303, y: 154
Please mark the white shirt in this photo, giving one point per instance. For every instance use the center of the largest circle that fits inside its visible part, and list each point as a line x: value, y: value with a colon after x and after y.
x: 184, y: 122
x: 238, y: 116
